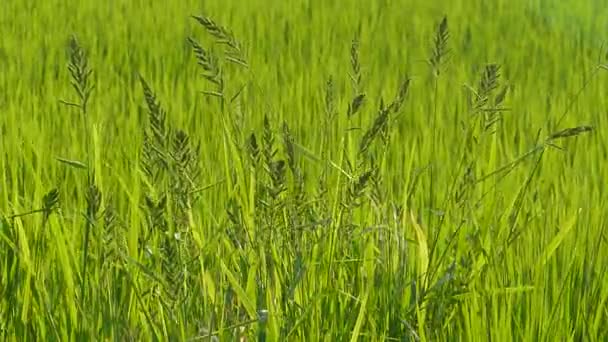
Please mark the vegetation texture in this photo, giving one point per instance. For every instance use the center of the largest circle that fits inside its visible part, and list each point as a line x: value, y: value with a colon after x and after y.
x: 303, y: 170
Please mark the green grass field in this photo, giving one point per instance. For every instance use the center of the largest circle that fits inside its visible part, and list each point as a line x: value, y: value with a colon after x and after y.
x: 303, y: 170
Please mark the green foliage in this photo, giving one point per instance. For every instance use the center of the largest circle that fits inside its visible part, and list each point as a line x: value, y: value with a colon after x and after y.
x: 273, y: 194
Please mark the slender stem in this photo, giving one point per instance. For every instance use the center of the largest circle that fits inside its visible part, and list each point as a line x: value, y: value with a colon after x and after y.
x: 85, y: 254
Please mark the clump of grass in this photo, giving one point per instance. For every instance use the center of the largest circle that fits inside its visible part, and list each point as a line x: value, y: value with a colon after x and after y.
x: 170, y: 163
x: 295, y: 244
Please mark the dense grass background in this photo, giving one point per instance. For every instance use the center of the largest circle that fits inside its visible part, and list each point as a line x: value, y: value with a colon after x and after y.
x: 374, y: 245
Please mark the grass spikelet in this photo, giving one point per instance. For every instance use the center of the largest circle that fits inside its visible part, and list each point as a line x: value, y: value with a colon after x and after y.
x: 395, y: 106
x: 487, y: 84
x: 275, y: 168
x: 500, y: 97
x: 93, y: 201
x: 50, y: 202
x: 224, y: 36
x: 185, y: 175
x: 359, y: 97
x: 379, y: 124
x: 185, y: 158
x: 170, y: 262
x: 157, y: 117
x: 276, y: 171
x: 355, y: 65
x: 269, y: 150
x: 357, y: 188
x: 154, y: 159
x: 440, y: 49
x: 330, y: 98
x: 113, y: 235
x: 208, y: 62
x: 254, y: 149
x: 81, y: 73
x: 110, y: 216
x: 156, y: 213
x: 355, y: 105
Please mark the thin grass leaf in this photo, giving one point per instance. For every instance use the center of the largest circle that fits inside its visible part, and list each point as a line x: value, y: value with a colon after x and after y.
x: 72, y: 163
x: 570, y: 132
